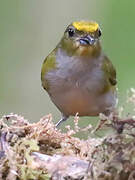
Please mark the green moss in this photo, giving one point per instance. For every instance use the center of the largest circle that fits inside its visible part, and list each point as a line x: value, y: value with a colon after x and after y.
x: 28, y: 174
x: 28, y: 170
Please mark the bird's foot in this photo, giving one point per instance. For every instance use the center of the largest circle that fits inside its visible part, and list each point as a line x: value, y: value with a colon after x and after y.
x: 100, y: 125
x: 64, y: 118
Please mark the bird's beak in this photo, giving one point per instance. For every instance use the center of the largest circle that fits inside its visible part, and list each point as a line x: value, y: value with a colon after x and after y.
x: 87, y: 40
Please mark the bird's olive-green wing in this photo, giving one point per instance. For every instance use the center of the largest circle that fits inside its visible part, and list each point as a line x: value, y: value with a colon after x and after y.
x: 110, y: 71
x: 48, y: 65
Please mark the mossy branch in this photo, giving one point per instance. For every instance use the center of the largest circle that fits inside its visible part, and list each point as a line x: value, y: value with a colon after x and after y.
x: 39, y: 151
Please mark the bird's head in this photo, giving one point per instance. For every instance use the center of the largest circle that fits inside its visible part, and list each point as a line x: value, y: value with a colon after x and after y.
x: 81, y: 38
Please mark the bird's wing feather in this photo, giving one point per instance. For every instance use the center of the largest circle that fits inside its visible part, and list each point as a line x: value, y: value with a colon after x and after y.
x: 110, y: 71
x: 48, y: 65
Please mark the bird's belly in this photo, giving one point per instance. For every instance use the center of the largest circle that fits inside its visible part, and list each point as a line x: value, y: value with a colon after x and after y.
x: 79, y: 101
x: 86, y: 92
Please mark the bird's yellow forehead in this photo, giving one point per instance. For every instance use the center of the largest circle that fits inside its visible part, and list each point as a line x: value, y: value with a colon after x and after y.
x: 86, y: 26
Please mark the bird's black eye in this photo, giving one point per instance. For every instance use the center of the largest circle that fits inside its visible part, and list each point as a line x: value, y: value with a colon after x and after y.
x: 99, y: 33
x: 71, y: 32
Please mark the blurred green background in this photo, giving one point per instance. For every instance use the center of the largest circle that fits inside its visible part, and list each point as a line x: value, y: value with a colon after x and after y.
x: 30, y: 29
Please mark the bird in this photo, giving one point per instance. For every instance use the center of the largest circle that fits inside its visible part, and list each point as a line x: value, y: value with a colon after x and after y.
x: 77, y: 75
